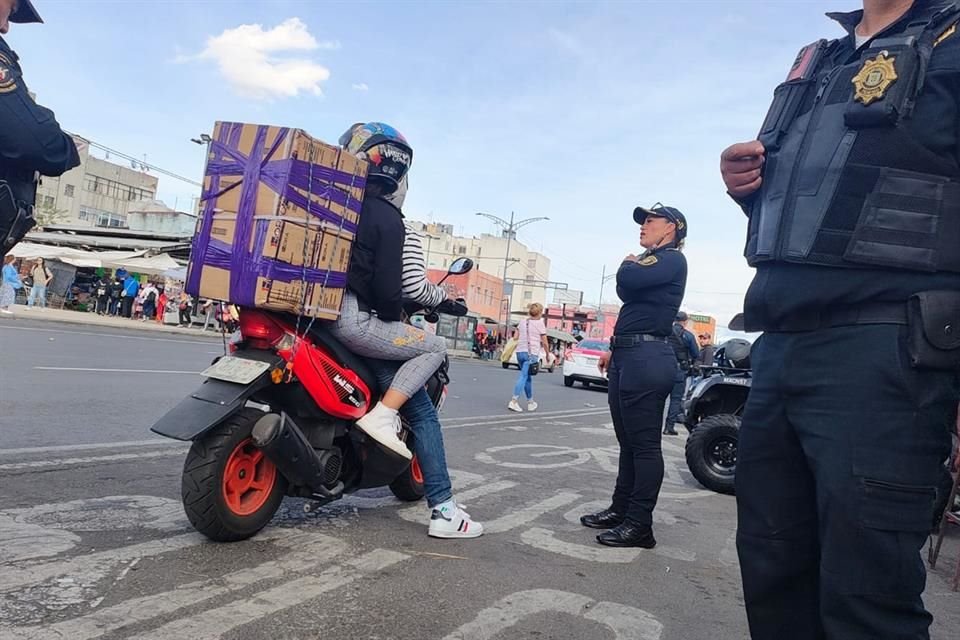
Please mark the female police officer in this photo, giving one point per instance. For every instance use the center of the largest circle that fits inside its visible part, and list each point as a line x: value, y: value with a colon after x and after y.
x: 642, y: 367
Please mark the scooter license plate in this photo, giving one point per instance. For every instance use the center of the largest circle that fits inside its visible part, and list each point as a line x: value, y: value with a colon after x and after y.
x: 238, y: 370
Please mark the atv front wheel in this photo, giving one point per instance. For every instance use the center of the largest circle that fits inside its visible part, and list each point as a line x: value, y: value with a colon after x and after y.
x: 230, y: 489
x: 711, y: 452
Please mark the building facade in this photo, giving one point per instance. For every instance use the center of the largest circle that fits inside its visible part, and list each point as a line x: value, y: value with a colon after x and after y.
x: 483, y: 292
x: 442, y: 247
x: 97, y: 193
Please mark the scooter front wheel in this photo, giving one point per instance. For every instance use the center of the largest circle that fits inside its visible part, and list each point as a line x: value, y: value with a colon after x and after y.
x: 230, y: 489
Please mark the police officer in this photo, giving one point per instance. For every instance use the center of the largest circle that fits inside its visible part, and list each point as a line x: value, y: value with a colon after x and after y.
x: 31, y: 141
x: 853, y: 197
x: 642, y: 368
x: 687, y: 350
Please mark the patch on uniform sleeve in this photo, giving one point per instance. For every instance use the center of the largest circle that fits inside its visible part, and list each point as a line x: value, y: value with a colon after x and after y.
x: 8, y: 75
x: 952, y: 29
x: 649, y: 261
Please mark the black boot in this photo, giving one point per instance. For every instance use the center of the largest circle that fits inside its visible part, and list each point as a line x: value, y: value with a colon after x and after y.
x: 606, y: 519
x: 628, y: 535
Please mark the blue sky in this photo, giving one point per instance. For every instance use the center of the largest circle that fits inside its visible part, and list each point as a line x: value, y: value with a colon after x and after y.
x: 576, y: 111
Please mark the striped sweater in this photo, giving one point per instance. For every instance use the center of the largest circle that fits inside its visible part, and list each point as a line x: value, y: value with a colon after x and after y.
x: 416, y: 287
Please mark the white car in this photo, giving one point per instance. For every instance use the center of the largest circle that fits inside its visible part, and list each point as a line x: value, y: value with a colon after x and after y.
x: 512, y: 362
x: 580, y: 363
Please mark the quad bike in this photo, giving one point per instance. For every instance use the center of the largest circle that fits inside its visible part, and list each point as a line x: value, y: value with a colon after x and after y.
x: 711, y: 411
x: 299, y: 441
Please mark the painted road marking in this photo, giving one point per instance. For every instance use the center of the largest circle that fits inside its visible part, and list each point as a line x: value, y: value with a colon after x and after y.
x: 545, y: 539
x: 109, y: 335
x: 307, y: 551
x: 92, y: 370
x: 507, y: 420
x: 627, y: 623
x: 214, y: 623
x: 418, y: 513
x: 24, y: 451
x: 525, y: 515
x: 66, y: 462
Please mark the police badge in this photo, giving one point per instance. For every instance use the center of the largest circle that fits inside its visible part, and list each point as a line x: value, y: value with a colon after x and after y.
x: 874, y: 78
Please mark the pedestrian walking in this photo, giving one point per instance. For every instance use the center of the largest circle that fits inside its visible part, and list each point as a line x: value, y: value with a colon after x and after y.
x: 531, y: 345
x: 101, y: 289
x: 116, y: 291
x: 150, y: 296
x: 41, y: 277
x: 852, y: 193
x: 161, y: 304
x: 685, y: 347
x: 31, y: 141
x: 209, y: 309
x: 641, y: 370
x: 185, y: 309
x: 10, y: 283
x: 131, y: 287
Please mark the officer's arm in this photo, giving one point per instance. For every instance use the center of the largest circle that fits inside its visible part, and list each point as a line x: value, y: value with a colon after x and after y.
x: 647, y: 272
x: 30, y: 137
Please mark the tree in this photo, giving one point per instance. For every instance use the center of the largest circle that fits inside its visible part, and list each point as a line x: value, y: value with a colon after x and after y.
x: 48, y: 214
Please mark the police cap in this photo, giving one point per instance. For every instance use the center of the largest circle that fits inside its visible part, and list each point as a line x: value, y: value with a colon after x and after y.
x: 25, y: 12
x: 670, y: 213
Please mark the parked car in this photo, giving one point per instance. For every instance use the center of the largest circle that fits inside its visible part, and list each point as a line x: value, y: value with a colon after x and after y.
x: 549, y: 367
x: 580, y: 363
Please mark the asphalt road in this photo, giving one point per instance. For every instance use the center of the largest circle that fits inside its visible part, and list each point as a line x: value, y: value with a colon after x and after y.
x: 94, y: 543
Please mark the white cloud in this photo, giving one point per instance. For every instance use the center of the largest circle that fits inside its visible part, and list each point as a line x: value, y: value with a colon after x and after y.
x: 568, y: 42
x: 248, y: 59
x: 361, y: 86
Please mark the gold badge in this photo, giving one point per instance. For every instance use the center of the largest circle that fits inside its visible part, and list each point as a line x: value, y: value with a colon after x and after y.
x: 874, y: 78
x: 648, y: 261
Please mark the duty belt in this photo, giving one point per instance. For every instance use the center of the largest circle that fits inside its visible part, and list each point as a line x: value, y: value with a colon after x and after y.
x: 633, y: 339
x: 872, y: 313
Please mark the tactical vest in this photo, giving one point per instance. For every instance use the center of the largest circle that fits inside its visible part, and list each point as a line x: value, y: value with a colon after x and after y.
x: 680, y: 347
x: 844, y: 183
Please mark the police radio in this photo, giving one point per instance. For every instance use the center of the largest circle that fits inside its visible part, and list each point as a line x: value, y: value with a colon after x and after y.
x: 789, y: 96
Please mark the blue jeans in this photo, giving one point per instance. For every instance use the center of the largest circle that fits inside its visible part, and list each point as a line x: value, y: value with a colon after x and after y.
x: 38, y: 292
x: 525, y: 381
x: 423, y: 420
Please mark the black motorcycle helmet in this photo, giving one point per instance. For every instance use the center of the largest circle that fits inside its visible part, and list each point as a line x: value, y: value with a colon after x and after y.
x: 385, y: 148
x: 735, y: 353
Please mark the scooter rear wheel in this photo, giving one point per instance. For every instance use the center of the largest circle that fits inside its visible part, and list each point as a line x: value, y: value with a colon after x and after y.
x: 408, y: 486
x: 230, y: 490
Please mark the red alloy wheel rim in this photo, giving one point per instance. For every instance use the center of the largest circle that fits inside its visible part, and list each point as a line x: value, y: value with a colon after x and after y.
x: 248, y: 479
x: 415, y: 471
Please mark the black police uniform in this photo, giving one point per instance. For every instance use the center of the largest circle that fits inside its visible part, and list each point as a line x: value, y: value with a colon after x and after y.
x: 31, y: 142
x: 641, y: 374
x: 686, y: 349
x: 855, y: 378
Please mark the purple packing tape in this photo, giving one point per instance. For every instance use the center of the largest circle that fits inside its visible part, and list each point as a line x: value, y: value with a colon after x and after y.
x: 285, y: 177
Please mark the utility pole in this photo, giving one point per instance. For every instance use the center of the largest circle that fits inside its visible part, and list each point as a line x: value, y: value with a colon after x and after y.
x: 603, y: 280
x: 510, y: 230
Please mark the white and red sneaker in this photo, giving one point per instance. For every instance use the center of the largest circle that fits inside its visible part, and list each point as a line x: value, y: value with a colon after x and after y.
x: 448, y: 520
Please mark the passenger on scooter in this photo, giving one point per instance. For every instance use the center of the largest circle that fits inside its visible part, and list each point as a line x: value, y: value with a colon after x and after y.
x: 371, y: 314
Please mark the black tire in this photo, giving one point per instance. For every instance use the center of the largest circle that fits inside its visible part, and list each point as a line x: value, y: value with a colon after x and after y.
x: 568, y: 381
x: 711, y: 452
x: 408, y: 486
x: 202, y: 482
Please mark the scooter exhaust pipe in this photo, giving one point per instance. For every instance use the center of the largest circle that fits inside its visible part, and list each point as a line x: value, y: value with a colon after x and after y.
x: 288, y: 448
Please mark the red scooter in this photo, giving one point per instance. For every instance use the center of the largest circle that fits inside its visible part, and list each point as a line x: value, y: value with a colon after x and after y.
x: 298, y: 442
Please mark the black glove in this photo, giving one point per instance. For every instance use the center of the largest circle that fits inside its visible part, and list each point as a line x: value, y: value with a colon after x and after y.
x: 456, y: 307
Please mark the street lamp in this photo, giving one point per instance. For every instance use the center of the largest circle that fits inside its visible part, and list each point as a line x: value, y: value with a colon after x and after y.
x: 510, y: 229
x: 203, y: 139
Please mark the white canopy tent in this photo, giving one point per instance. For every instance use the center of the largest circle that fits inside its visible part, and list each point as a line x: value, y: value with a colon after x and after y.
x: 134, y: 261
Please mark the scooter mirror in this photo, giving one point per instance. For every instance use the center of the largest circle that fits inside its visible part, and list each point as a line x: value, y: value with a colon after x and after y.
x: 460, y: 266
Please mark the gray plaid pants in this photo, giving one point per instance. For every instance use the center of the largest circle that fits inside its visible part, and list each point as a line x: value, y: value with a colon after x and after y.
x: 368, y: 336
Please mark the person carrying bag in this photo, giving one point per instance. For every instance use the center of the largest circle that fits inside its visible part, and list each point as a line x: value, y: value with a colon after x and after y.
x: 531, y: 341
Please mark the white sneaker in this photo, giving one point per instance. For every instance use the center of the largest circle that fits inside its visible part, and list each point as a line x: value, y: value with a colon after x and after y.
x: 532, y: 406
x: 448, y: 520
x: 383, y: 424
x: 515, y: 406
x: 6, y: 312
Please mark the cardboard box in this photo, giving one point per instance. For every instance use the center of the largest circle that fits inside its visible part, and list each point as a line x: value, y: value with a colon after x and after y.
x: 279, y: 215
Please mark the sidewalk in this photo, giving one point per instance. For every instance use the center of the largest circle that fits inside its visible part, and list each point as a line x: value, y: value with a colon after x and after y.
x: 84, y: 318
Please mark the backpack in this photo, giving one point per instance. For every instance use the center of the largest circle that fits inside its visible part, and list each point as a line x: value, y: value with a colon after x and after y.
x: 152, y: 297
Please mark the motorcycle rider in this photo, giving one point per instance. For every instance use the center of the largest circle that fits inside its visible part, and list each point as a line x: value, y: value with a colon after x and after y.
x: 447, y: 518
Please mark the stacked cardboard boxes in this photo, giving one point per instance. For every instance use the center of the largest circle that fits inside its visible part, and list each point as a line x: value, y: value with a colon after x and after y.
x: 279, y: 214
